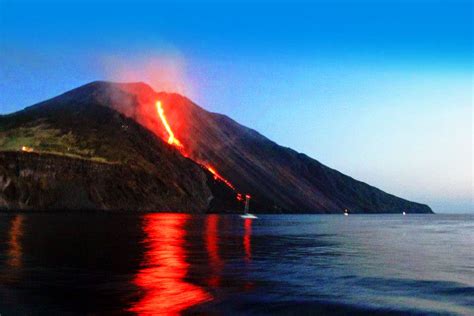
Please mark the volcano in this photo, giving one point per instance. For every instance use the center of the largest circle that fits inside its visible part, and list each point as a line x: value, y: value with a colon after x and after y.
x: 112, y: 146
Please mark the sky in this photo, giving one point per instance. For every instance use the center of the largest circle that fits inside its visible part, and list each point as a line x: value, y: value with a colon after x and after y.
x: 380, y: 90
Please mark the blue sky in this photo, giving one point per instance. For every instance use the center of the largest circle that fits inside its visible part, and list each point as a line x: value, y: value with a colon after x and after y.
x: 381, y: 90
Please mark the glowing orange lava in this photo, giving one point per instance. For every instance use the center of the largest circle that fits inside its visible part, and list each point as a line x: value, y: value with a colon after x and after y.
x: 172, y: 140
x: 217, y: 176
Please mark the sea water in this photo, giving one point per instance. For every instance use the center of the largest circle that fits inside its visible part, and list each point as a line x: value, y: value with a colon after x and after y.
x: 101, y: 263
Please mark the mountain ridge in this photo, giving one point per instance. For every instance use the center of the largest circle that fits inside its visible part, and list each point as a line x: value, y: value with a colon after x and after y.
x: 280, y: 179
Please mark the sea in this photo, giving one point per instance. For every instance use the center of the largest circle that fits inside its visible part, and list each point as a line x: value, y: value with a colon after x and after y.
x: 179, y: 264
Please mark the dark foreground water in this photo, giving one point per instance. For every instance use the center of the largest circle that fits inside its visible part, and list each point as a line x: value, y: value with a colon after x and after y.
x: 279, y: 264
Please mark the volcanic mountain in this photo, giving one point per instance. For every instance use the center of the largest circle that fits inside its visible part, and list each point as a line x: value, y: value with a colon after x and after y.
x: 124, y: 146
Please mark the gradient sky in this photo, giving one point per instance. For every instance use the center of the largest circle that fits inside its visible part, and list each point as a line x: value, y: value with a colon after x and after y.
x: 380, y: 90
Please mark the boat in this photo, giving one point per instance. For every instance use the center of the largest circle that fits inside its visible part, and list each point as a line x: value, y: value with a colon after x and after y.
x: 404, y: 213
x: 246, y: 214
x: 346, y: 212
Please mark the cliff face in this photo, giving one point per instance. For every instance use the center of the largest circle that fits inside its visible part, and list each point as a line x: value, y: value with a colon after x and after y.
x: 51, y: 182
x: 85, y: 123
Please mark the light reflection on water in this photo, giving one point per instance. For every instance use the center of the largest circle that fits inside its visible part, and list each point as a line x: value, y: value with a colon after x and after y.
x: 14, y: 242
x: 212, y: 245
x: 176, y: 263
x: 247, y: 236
x: 162, y: 278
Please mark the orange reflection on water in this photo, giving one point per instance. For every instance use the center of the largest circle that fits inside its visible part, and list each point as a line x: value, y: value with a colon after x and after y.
x: 163, y: 277
x: 212, y: 246
x: 248, y: 285
x: 15, y: 250
x: 247, y: 239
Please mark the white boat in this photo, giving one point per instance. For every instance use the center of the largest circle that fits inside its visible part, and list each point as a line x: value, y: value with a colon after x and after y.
x: 346, y: 212
x: 250, y: 216
x: 246, y: 211
x: 404, y: 213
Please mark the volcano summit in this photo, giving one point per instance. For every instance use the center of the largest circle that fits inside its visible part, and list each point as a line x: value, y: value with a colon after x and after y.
x: 107, y: 146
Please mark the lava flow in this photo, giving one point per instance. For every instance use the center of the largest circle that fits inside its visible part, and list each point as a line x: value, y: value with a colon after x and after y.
x: 172, y: 140
x: 217, y: 176
x: 161, y: 113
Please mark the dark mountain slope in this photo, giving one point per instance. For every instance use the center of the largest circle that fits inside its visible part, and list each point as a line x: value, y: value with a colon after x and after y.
x: 277, y: 176
x: 92, y: 157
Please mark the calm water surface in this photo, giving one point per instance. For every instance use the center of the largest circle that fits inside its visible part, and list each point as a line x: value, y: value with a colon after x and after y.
x: 221, y: 264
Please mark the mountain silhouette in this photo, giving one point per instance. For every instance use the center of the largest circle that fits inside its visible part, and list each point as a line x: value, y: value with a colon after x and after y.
x: 112, y: 132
